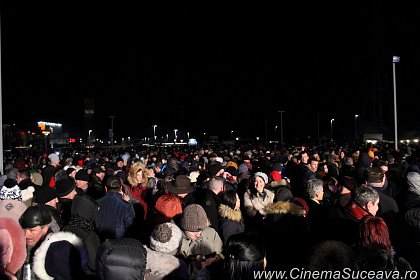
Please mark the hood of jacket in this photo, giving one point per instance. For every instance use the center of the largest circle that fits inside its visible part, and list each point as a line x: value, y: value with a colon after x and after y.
x: 41, y: 253
x: 284, y: 207
x: 230, y: 214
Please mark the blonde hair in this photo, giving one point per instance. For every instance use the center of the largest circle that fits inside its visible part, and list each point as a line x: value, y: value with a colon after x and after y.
x: 132, y: 174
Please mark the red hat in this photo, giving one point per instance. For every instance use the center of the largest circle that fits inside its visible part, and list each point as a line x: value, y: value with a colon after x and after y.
x: 169, y: 206
x: 275, y: 175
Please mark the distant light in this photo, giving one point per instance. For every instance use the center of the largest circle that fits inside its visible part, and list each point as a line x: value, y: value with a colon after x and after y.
x: 50, y: 124
x: 416, y: 140
x: 395, y: 59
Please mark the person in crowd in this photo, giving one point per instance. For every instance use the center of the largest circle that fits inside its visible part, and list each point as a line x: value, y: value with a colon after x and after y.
x: 201, y: 244
x: 48, y: 197
x: 62, y: 255
x: 10, y: 190
x: 96, y: 187
x: 81, y: 223
x: 123, y: 258
x: 168, y: 208
x: 255, y: 200
x: 137, y: 179
x: 82, y: 181
x: 230, y: 215
x: 318, y: 211
x: 245, y: 254
x: 116, y: 214
x: 375, y: 251
x: 286, y: 221
x: 35, y: 222
x: 165, y: 242
x: 344, y: 222
x: 66, y: 191
x: 48, y: 172
x: 209, y: 199
x: 331, y: 255
x: 27, y: 187
x: 181, y: 187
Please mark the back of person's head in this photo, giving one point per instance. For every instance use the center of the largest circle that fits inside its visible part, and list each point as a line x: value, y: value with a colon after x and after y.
x: 245, y: 254
x: 374, y: 234
x: 229, y: 198
x: 121, y: 259
x: 364, y: 194
x: 331, y: 255
x: 373, y: 176
x: 113, y: 183
x: 313, y: 187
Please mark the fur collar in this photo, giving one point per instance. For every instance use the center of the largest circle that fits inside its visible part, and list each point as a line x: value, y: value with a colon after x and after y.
x: 230, y: 214
x: 41, y: 252
x: 284, y: 207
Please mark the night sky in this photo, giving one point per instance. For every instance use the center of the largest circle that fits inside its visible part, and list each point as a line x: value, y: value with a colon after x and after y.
x: 213, y: 68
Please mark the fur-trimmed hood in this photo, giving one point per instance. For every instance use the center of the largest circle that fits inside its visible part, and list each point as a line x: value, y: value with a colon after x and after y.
x: 284, y: 207
x: 230, y: 214
x: 41, y: 253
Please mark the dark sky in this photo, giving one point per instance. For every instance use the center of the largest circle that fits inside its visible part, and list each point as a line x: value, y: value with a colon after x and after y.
x: 213, y: 68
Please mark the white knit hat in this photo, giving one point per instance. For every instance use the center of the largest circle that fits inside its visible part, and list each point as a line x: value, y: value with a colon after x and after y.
x: 166, y: 238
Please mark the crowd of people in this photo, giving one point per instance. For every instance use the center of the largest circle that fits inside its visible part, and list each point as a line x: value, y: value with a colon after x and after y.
x: 220, y: 212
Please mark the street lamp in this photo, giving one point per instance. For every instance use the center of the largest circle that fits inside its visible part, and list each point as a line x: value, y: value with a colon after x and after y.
x: 90, y: 131
x: 154, y: 131
x: 231, y: 135
x: 188, y: 135
x: 355, y: 127
x: 395, y: 59
x: 175, y: 130
x: 281, y: 126
x: 332, y: 120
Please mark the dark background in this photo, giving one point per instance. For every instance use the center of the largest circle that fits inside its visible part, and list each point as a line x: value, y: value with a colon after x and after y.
x: 213, y: 68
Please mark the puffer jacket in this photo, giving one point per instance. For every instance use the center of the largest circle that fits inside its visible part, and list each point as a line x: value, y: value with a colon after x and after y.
x: 121, y: 259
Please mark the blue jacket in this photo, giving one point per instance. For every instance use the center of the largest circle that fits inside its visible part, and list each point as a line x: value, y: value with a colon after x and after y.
x: 114, y: 217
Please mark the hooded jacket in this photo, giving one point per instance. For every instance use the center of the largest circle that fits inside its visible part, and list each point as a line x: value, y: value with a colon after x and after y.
x: 230, y: 222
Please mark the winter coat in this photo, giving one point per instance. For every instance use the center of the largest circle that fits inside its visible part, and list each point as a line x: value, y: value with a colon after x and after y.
x: 61, y: 267
x: 230, y: 222
x: 115, y: 216
x: 380, y: 260
x: 210, y: 202
x: 286, y: 233
x: 160, y: 265
x: 209, y: 242
x: 121, y: 259
x: 255, y: 203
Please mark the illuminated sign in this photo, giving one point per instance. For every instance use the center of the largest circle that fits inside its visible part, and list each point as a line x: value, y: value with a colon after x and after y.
x: 49, y: 124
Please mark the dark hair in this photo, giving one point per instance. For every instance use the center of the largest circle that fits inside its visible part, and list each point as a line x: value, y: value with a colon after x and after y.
x: 245, y: 255
x: 331, y: 255
x: 229, y: 198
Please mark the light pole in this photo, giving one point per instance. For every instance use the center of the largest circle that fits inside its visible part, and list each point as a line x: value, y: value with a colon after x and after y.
x: 175, y: 130
x: 395, y: 59
x: 332, y: 120
x: 90, y: 131
x: 355, y: 127
x: 188, y: 135
x: 275, y: 132
x: 231, y: 135
x: 281, y: 126
x: 204, y: 137
x: 154, y: 131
